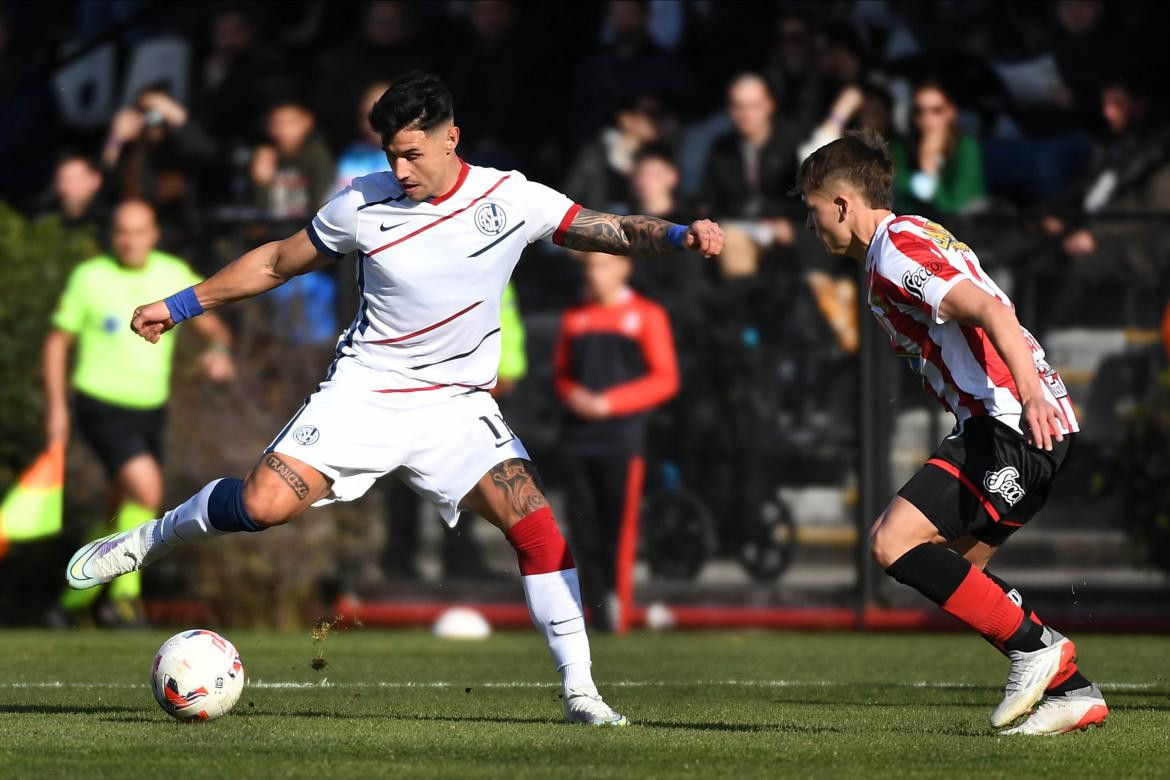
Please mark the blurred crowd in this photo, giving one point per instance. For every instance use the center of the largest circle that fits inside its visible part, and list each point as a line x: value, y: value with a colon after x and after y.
x: 1043, y: 126
x: 253, y: 114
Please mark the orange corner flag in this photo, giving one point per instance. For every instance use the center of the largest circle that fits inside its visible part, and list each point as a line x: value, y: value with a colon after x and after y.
x: 34, y: 506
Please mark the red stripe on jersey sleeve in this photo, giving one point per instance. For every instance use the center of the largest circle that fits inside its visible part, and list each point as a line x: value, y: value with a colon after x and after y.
x: 559, y: 234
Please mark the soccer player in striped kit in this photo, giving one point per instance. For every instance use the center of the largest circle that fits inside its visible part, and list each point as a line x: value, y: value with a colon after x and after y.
x: 1016, y: 424
x: 407, y: 392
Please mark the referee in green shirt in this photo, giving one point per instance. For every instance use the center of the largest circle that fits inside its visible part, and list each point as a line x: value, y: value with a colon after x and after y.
x: 120, y: 382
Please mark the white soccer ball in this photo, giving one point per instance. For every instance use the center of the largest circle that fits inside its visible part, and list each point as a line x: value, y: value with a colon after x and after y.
x: 197, y: 675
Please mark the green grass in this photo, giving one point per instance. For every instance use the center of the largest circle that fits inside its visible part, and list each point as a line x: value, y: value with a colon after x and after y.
x: 703, y: 705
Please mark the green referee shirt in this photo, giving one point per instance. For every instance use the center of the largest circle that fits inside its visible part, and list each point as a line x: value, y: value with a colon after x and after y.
x: 114, y: 364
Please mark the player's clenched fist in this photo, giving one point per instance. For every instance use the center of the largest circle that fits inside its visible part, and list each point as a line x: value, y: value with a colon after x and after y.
x: 152, y: 320
x: 705, y: 236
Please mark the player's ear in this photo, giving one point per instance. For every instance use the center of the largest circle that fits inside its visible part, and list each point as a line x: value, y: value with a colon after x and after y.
x: 452, y: 139
x: 843, y: 206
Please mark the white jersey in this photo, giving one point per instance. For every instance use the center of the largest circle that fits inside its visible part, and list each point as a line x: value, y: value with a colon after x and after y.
x: 431, y: 275
x: 911, y: 265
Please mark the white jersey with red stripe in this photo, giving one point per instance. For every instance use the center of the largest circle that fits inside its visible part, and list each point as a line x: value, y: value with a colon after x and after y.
x: 911, y: 265
x: 431, y: 274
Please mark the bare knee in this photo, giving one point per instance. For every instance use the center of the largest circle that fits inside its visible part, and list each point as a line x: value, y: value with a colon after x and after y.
x: 884, y: 545
x: 888, y: 542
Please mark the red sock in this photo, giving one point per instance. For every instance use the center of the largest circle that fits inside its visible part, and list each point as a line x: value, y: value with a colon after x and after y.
x: 540, y: 548
x: 981, y: 604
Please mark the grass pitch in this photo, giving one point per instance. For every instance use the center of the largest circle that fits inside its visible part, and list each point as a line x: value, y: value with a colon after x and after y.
x: 702, y: 705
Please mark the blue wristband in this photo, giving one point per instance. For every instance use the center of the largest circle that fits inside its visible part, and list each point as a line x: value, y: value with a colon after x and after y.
x: 677, y: 235
x: 183, y: 305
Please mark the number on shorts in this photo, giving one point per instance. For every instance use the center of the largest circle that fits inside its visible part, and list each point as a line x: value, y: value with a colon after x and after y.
x: 500, y: 430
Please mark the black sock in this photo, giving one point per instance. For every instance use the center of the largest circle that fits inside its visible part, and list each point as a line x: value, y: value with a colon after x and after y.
x: 934, y: 571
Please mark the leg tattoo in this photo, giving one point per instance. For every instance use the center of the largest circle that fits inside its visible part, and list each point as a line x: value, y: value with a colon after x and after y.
x: 286, y: 473
x: 519, y: 482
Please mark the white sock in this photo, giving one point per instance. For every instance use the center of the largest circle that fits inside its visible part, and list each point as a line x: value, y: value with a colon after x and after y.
x: 554, y: 602
x: 187, y: 522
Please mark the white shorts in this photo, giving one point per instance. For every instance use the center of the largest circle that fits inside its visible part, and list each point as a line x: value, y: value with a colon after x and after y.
x: 440, y: 447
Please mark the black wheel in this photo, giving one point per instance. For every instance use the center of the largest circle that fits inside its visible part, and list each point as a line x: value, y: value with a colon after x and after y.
x: 677, y: 535
x: 769, y: 542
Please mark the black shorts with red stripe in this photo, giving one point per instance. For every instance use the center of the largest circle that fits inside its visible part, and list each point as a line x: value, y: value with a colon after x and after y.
x: 985, y: 480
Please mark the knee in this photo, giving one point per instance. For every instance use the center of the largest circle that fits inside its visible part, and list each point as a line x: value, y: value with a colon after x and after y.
x: 886, y: 545
x: 265, y: 506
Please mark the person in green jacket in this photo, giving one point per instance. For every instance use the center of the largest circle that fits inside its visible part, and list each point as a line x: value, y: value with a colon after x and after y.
x: 937, y: 170
x: 120, y: 383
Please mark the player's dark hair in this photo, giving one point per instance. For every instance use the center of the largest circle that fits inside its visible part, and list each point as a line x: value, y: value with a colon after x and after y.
x: 418, y: 100
x: 859, y: 158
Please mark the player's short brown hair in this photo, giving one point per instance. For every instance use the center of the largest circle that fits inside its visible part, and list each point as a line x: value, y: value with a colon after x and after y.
x: 859, y: 158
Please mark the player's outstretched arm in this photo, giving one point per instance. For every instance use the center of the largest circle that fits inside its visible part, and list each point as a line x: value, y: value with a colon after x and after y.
x: 596, y: 231
x: 969, y: 305
x: 258, y: 271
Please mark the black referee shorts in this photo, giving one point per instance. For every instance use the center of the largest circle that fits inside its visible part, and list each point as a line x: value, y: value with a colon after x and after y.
x: 118, y: 433
x: 985, y: 480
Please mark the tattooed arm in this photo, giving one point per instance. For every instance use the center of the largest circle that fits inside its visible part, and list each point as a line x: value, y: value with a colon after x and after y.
x: 596, y: 231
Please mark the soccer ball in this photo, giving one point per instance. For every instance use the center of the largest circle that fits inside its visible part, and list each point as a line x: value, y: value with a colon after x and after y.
x: 197, y: 675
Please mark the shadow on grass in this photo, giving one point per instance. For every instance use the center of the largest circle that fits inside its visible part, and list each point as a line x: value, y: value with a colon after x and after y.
x: 500, y: 719
x: 65, y: 709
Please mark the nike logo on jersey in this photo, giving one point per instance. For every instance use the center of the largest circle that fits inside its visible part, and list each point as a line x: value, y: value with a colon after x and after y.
x: 383, y: 228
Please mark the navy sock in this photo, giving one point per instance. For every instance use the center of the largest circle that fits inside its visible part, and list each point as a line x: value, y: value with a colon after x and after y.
x: 225, y: 507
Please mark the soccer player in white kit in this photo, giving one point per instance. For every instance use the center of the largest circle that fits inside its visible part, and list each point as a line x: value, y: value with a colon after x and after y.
x: 407, y: 391
x: 959, y: 331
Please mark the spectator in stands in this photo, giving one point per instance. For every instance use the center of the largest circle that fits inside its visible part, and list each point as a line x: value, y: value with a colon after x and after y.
x: 121, y: 383
x: 678, y: 282
x: 293, y: 173
x: 1119, y: 263
x: 631, y: 65
x: 364, y: 155
x: 1130, y: 168
x: 748, y: 175
x: 386, y: 47
x: 292, y: 176
x: 938, y: 169
x: 791, y: 71
x: 491, y: 44
x: 614, y: 362
x: 237, y: 78
x: 601, y: 172
x: 77, y: 196
x: 154, y: 152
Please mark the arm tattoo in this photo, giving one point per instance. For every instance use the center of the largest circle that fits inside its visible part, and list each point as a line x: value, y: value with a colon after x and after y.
x: 286, y: 473
x: 518, y: 481
x: 596, y: 231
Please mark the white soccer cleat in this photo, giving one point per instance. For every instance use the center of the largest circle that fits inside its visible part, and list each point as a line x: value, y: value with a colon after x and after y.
x: 104, y: 559
x: 1030, y: 675
x: 1072, y: 711
x: 586, y: 706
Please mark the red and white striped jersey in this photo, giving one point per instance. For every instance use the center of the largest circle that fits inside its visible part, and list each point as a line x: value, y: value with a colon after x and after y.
x: 911, y: 265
